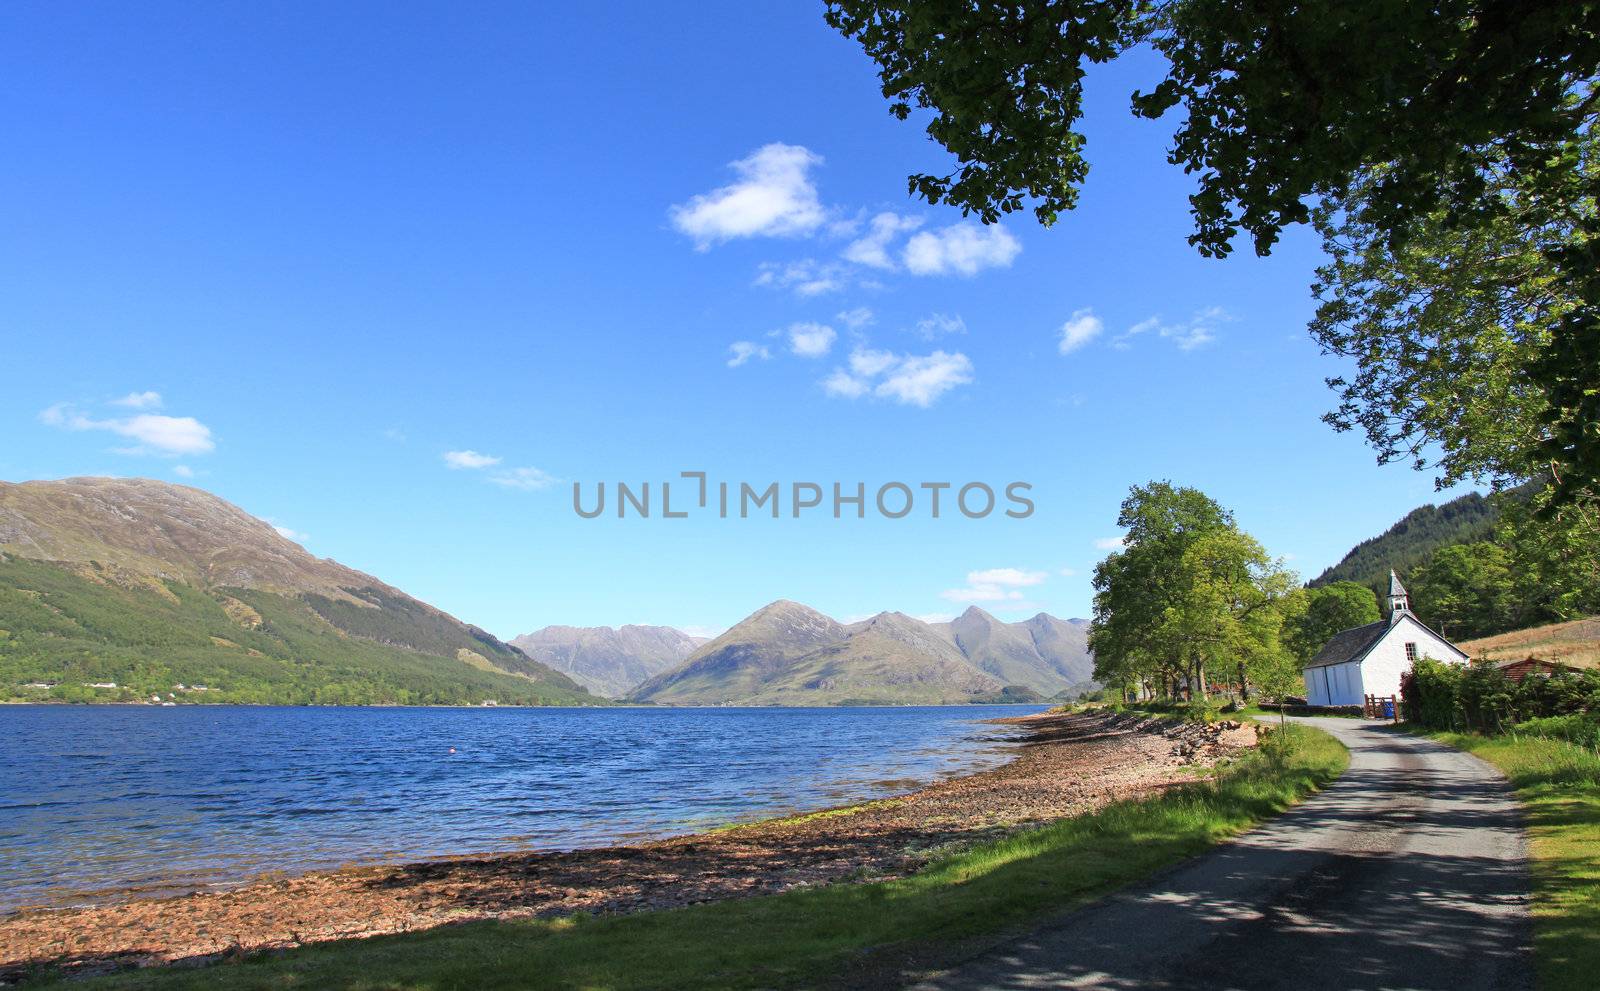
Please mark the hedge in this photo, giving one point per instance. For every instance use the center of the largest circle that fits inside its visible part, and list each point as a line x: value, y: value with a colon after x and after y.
x: 1479, y: 697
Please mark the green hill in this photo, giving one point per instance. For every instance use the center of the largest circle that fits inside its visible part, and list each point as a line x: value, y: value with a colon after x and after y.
x: 1413, y: 540
x: 148, y: 586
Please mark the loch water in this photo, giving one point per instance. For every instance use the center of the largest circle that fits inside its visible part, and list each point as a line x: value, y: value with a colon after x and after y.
x: 101, y: 803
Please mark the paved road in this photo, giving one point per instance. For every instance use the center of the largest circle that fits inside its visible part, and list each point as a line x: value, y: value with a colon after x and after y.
x: 1409, y: 872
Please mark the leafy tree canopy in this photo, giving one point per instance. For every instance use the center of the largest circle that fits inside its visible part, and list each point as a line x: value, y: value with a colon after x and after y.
x: 1425, y: 106
x: 1188, y: 590
x: 1327, y: 610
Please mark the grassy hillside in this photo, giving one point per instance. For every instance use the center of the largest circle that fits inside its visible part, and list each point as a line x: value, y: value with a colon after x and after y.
x: 1576, y: 643
x: 71, y: 625
x: 1412, y: 540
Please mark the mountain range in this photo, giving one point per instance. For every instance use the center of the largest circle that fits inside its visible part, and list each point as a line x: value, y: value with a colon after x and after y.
x: 145, y: 585
x: 786, y: 653
x: 135, y: 590
x: 606, y: 661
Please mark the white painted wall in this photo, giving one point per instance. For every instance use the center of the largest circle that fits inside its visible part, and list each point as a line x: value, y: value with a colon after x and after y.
x: 1382, y: 668
x: 1335, y: 684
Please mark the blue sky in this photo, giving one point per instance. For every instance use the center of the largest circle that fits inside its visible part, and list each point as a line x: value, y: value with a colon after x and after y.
x: 299, y: 257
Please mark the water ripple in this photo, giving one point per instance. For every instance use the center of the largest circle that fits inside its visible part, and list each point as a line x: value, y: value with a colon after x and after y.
x: 103, y: 801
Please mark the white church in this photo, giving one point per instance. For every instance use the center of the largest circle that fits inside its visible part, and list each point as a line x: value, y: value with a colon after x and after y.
x: 1369, y: 660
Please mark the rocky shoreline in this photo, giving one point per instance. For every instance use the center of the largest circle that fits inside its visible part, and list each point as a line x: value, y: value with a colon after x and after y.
x: 1066, y: 765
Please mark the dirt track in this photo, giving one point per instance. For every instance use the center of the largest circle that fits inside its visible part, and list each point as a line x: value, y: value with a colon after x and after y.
x: 1409, y: 872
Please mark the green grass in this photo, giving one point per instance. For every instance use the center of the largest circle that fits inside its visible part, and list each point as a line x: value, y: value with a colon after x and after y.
x: 1559, y: 785
x: 883, y: 930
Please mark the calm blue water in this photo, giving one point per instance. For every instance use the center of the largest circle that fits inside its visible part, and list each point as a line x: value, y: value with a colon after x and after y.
x: 106, y: 802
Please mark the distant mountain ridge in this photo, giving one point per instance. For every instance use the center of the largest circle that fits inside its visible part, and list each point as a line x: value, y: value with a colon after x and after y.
x: 149, y: 584
x: 786, y: 653
x: 1045, y: 654
x: 609, y: 661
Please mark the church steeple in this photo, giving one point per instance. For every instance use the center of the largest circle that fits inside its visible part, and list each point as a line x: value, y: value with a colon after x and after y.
x: 1399, y: 601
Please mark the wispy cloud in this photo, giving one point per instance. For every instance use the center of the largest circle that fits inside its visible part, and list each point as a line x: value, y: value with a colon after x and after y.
x: 139, y: 400
x: 1014, y: 577
x: 741, y: 352
x: 156, y: 434
x: 772, y: 197
x: 806, y: 277
x: 811, y: 340
x: 909, y: 379
x: 183, y: 471
x: 857, y: 318
x: 1198, y: 331
x: 526, y: 479
x: 1081, y: 328
x: 937, y: 325
x: 872, y: 248
x: 1109, y: 544
x: 996, y: 585
x: 289, y: 534
x: 960, y: 249
x: 471, y: 460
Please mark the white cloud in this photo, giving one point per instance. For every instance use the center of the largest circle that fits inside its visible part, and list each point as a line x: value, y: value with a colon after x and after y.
x: 965, y: 249
x: 1109, y: 544
x: 997, y: 585
x: 979, y: 593
x: 866, y: 362
x: 910, y: 379
x: 1142, y: 327
x: 709, y: 632
x: 139, y: 400
x: 527, y: 479
x: 935, y: 617
x: 806, y: 277
x: 1198, y: 331
x: 470, y: 459
x: 872, y: 249
x: 811, y: 340
x: 844, y: 385
x: 857, y: 318
x: 1006, y: 576
x: 288, y: 534
x: 936, y: 325
x: 773, y: 197
x: 1081, y: 328
x: 1067, y: 572
x: 183, y: 471
x: 920, y: 380
x: 743, y: 351
x: 156, y: 434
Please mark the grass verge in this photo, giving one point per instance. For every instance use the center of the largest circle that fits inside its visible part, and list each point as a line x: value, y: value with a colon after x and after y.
x: 865, y: 933
x: 1559, y: 785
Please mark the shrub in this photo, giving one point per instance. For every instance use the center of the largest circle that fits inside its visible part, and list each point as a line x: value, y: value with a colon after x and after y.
x: 1479, y: 697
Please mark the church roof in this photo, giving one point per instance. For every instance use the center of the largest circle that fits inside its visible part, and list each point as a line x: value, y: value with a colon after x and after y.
x: 1395, y: 588
x: 1350, y: 645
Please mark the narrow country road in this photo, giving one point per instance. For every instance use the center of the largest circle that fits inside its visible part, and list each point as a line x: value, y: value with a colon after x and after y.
x: 1409, y: 872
